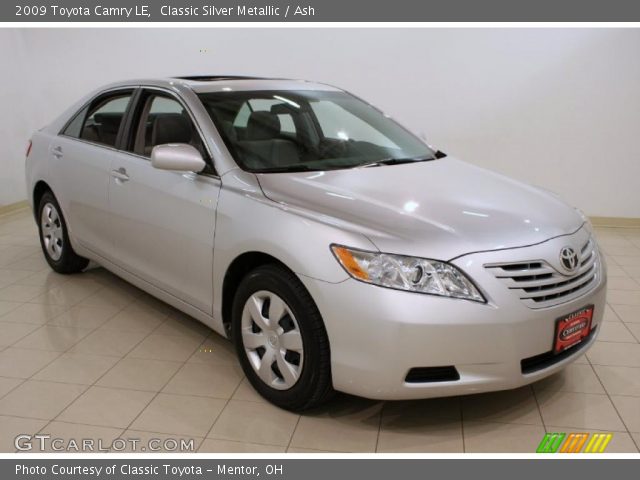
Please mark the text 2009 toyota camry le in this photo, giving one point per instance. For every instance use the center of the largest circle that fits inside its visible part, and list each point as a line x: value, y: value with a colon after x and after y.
x: 336, y: 249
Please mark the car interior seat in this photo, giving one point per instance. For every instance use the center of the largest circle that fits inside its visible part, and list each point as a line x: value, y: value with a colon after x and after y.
x: 263, y: 145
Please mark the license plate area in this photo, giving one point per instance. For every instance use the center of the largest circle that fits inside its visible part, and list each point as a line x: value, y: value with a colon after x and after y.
x: 572, y: 329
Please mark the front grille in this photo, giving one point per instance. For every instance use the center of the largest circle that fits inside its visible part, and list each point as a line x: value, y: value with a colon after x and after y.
x: 539, y: 285
x: 548, y: 359
x: 432, y: 374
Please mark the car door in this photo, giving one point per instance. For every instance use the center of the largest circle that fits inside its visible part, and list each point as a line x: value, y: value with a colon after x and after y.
x: 163, y: 221
x: 80, y: 162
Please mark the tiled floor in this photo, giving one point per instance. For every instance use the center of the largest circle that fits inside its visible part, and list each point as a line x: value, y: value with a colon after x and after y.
x: 89, y: 356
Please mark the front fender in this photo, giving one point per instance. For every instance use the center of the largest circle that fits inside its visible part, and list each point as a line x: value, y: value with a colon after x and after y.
x: 247, y: 221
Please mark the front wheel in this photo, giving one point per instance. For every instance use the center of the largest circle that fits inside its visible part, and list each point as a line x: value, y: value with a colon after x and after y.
x: 281, y: 340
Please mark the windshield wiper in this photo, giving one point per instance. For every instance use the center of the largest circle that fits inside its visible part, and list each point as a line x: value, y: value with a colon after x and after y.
x: 395, y: 161
x: 285, y: 169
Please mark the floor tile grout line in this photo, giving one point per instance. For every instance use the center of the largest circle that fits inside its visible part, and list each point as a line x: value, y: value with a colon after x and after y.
x: 464, y: 445
x: 161, y: 388
x: 224, y: 439
x: 22, y: 380
x: 40, y: 324
x: 123, y: 431
x: 240, y: 442
x: 617, y: 343
x: 293, y: 432
x: 626, y: 395
x: 89, y: 332
x: 24, y: 336
x: 19, y: 304
x: 616, y: 365
x: 67, y: 351
x: 101, y: 376
x: 43, y: 431
x: 67, y: 278
x: 128, y: 389
x: 379, y: 426
x: 631, y: 332
x: 180, y: 435
x: 60, y: 354
x: 222, y: 410
x: 101, y: 287
x: 610, y: 399
x: 537, y: 400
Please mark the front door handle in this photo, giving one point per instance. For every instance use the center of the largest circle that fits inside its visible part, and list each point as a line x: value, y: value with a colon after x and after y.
x: 57, y: 152
x: 120, y: 174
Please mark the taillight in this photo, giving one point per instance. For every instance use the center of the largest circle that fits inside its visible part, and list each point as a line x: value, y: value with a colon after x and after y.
x: 29, y: 148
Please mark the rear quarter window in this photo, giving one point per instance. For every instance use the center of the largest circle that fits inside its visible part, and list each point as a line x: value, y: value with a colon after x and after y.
x: 74, y: 127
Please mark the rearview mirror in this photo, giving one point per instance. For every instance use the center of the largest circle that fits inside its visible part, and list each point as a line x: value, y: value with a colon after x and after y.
x: 177, y: 156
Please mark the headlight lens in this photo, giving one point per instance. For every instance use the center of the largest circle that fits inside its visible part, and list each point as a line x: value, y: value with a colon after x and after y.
x: 407, y: 273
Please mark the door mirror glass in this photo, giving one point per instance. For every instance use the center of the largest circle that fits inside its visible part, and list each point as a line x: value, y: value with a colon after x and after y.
x: 177, y: 156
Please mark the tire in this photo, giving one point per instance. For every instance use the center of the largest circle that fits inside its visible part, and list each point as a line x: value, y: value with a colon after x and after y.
x: 54, y: 238
x: 306, y: 382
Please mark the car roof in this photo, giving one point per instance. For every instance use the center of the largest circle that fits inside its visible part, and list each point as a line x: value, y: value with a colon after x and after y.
x: 223, y: 83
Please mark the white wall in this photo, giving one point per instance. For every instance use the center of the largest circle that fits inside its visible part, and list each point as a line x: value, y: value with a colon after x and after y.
x: 559, y: 108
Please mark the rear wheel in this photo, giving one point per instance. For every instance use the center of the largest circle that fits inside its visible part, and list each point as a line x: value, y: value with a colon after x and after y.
x: 281, y: 340
x: 54, y: 238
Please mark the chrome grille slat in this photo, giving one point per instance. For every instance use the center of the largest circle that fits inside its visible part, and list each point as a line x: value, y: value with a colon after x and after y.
x: 589, y: 259
x: 558, y: 288
x: 500, y: 273
x: 548, y: 282
x: 539, y: 285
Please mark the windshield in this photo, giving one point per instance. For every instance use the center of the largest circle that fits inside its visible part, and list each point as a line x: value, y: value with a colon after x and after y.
x: 284, y: 131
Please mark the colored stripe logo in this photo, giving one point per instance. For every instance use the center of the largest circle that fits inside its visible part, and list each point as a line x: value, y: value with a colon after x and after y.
x: 598, y: 443
x: 574, y: 443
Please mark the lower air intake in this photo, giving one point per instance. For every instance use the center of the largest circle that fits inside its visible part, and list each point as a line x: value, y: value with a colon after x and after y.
x: 432, y: 374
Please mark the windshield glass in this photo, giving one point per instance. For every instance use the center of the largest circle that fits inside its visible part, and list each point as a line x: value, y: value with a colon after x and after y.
x: 276, y: 131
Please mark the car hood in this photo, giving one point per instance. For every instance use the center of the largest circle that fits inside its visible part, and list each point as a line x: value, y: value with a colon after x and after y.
x: 437, y: 209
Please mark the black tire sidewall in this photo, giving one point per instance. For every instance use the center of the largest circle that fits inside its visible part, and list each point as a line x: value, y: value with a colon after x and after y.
x: 315, y: 363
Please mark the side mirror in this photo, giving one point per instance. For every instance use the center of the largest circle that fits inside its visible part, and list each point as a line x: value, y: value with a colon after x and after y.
x: 177, y: 156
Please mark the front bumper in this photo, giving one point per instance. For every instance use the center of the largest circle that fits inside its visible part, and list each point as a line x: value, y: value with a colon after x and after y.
x: 377, y: 335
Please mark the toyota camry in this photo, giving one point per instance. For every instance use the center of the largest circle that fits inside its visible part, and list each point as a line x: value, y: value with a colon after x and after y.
x: 338, y: 251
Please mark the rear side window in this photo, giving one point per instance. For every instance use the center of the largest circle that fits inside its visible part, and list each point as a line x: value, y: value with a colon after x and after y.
x: 103, y: 119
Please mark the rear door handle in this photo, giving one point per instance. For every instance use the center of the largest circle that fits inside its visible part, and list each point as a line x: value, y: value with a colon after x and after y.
x: 57, y: 152
x: 120, y: 174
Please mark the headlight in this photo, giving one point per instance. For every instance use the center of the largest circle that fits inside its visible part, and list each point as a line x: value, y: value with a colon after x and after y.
x: 407, y: 273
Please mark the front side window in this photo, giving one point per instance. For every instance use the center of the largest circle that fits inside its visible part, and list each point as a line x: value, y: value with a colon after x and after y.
x: 103, y: 119
x: 163, y: 120
x: 274, y: 131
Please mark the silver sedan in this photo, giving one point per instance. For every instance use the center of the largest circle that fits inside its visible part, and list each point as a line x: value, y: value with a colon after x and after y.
x: 336, y: 249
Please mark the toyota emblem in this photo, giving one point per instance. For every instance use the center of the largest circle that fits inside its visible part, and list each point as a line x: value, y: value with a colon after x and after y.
x: 569, y: 259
